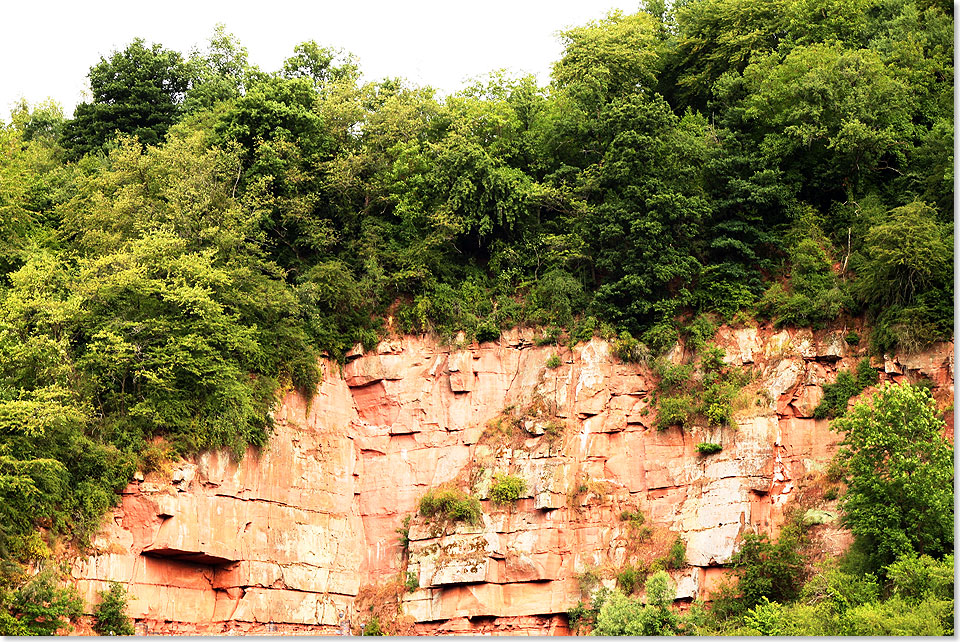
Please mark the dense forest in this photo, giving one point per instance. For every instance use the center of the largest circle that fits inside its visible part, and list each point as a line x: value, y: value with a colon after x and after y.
x: 185, y: 247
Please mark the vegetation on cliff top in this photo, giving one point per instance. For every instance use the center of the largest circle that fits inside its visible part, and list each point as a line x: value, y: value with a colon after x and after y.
x: 183, y: 248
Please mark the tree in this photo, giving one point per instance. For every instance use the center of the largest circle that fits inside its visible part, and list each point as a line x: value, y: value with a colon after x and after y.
x: 136, y: 91
x: 111, y: 612
x: 899, y: 470
x: 768, y: 569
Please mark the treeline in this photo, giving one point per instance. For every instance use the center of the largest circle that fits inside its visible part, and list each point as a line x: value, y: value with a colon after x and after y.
x: 194, y: 237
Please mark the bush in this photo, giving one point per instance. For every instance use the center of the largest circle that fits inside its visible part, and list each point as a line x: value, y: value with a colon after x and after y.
x: 848, y: 384
x: 672, y: 377
x: 708, y: 448
x: 767, y: 569
x: 635, y: 517
x: 701, y: 331
x: 677, y: 557
x: 620, y: 615
x: 553, y: 362
x: 629, y: 350
x: 451, y: 504
x: 915, y: 579
x: 674, y: 411
x: 412, y: 582
x: 661, y: 337
x: 42, y: 606
x: 372, y: 627
x: 111, y: 613
x: 556, y: 297
x: 507, y: 489
x: 629, y: 578
x: 404, y: 533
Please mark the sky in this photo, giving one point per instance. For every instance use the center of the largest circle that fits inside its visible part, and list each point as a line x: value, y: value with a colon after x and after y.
x: 47, y: 49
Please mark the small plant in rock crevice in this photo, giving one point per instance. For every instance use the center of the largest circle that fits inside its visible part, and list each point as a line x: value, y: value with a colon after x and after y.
x: 507, y: 489
x: 708, y: 448
x: 451, y: 504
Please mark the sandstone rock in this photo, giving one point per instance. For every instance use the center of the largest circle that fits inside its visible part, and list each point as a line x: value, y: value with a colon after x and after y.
x: 286, y: 537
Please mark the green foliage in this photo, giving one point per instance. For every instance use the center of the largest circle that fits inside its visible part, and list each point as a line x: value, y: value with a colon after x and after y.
x: 848, y: 384
x: 915, y: 579
x: 553, y: 362
x: 372, y: 627
x: 708, y: 448
x: 111, y: 613
x: 411, y: 582
x: 450, y: 504
x: 673, y: 377
x: 507, y: 489
x: 629, y: 350
x: 136, y: 91
x: 41, y: 606
x: 815, y: 295
x: 768, y: 569
x: 629, y: 578
x: 621, y: 615
x: 677, y: 556
x: 635, y: 519
x: 674, y: 411
x: 899, y: 476
x: 404, y: 533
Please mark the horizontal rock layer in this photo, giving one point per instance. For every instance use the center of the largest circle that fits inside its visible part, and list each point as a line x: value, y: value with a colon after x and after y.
x: 284, y: 540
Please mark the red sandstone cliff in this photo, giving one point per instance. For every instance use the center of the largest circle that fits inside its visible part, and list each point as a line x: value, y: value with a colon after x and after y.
x: 285, y: 540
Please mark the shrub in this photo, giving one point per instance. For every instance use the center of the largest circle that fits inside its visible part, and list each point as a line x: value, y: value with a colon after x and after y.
x: 412, y: 582
x: 711, y: 361
x: 507, y: 489
x: 700, y: 331
x: 661, y: 337
x: 111, y: 612
x: 372, y: 627
x: 629, y: 350
x: 674, y: 411
x: 620, y: 615
x: 848, y: 384
x: 553, y: 362
x: 629, y: 578
x: 852, y: 338
x: 635, y: 517
x: 404, y: 533
x: 40, y: 607
x: 554, y: 299
x: 917, y: 578
x: 672, y: 377
x: 549, y: 337
x: 587, y: 579
x: 677, y: 557
x: 451, y: 504
x: 767, y: 569
x: 708, y: 448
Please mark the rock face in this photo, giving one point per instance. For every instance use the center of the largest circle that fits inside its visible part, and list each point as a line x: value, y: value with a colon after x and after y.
x: 286, y: 539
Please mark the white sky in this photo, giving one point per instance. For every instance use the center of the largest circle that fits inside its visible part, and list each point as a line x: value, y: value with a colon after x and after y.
x: 48, y: 48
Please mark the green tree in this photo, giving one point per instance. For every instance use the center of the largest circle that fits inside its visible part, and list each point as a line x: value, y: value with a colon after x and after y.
x: 137, y: 91
x: 899, y: 470
x: 111, y: 612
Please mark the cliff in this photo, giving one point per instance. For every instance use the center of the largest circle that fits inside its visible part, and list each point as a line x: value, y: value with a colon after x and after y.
x: 303, y: 537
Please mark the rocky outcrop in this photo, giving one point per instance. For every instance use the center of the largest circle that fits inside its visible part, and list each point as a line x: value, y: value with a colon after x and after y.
x: 284, y: 540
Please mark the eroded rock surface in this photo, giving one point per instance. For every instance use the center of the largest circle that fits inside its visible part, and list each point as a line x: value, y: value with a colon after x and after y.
x: 283, y: 541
